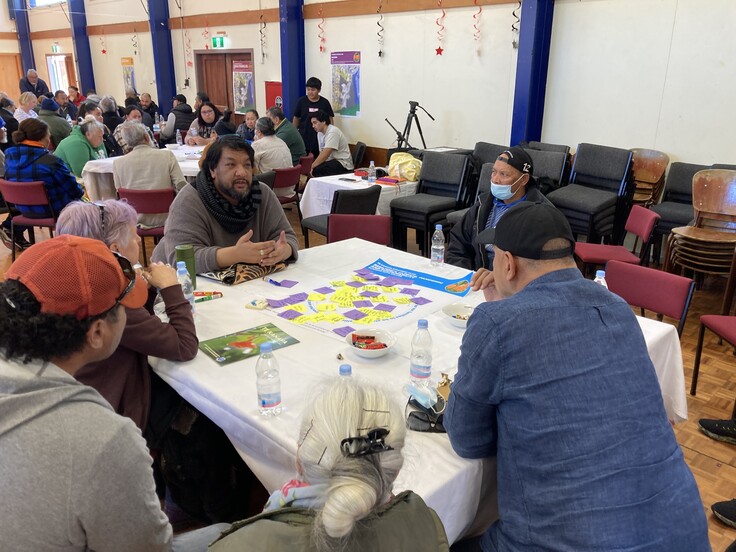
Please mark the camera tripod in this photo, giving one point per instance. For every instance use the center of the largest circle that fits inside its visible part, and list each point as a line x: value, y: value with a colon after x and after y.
x: 403, y: 138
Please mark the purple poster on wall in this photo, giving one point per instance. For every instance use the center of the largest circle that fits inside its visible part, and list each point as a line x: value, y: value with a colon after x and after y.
x: 346, y: 83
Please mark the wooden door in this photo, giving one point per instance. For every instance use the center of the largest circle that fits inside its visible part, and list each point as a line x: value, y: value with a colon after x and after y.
x: 71, y: 71
x: 10, y: 75
x: 215, y: 76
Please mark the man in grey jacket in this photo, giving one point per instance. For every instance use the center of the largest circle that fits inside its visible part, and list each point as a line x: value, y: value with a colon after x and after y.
x: 75, y: 475
x: 227, y: 215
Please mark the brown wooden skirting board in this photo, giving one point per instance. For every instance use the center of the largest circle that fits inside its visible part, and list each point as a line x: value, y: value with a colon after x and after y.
x: 51, y: 33
x: 346, y: 8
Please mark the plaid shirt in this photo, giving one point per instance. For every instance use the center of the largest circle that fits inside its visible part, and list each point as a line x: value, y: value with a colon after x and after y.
x: 24, y: 163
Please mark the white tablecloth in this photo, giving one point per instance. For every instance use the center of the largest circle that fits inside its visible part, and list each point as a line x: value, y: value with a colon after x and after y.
x: 227, y: 394
x: 98, y: 179
x: 317, y: 197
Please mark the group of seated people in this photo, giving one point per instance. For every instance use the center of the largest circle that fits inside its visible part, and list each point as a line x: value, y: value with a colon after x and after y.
x: 545, y: 366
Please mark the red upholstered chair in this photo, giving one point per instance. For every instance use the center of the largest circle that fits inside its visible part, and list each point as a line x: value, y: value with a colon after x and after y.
x: 31, y: 194
x: 374, y: 228
x: 183, y: 136
x: 649, y: 289
x: 641, y: 222
x: 724, y: 327
x: 149, y: 202
x: 289, y: 178
x: 306, y: 165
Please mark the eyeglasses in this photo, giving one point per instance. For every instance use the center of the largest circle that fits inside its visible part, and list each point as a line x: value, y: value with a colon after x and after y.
x: 424, y: 420
x: 371, y: 443
x: 128, y: 272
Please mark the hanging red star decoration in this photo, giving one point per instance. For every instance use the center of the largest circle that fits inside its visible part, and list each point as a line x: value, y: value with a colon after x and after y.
x: 439, y: 50
x: 104, y: 51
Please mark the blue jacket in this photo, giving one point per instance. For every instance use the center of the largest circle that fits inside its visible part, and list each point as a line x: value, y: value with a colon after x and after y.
x: 24, y: 163
x: 556, y: 382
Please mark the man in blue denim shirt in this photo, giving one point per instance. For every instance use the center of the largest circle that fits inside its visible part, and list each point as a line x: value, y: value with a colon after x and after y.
x: 556, y: 382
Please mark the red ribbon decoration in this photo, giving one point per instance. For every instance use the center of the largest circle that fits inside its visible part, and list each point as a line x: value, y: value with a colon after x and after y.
x: 321, y: 33
x: 206, y: 35
x: 188, y: 48
x: 476, y: 32
x: 440, y: 30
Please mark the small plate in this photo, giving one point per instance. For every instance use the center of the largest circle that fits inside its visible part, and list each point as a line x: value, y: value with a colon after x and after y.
x: 381, y: 335
x: 172, y: 146
x: 458, y: 314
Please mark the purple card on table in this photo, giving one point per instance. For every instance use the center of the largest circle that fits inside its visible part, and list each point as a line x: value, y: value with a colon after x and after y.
x: 297, y: 298
x: 369, y: 294
x: 363, y: 272
x: 354, y: 314
x: 409, y: 291
x: 275, y: 303
x: 360, y: 304
x: 325, y: 290
x: 345, y: 330
x: 356, y: 284
x: 290, y: 314
x: 288, y: 283
x: 384, y: 307
x: 420, y: 300
x: 371, y: 277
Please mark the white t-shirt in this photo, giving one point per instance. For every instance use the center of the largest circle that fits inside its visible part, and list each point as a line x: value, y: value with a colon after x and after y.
x: 335, y: 139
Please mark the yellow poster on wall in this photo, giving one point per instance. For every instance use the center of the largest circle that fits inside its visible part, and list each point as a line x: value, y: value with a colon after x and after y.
x: 128, y: 73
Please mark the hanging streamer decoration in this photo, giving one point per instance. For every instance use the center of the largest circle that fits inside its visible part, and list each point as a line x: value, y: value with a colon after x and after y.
x: 206, y: 36
x: 188, y: 48
x: 476, y: 28
x: 103, y: 45
x: 440, y: 30
x: 380, y: 28
x: 321, y: 33
x: 262, y: 32
x: 134, y: 40
x: 515, y: 24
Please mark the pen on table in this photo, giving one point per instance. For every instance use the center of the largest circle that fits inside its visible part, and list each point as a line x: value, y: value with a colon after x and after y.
x: 205, y: 293
x: 274, y: 282
x: 207, y: 298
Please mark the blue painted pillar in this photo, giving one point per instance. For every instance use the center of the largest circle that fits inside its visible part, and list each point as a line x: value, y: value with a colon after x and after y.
x: 82, y: 51
x: 20, y: 13
x: 531, y: 70
x: 293, y: 71
x: 158, y: 19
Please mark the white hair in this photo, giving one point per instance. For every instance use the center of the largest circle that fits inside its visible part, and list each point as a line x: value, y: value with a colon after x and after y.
x: 134, y: 133
x: 357, y: 485
x: 108, y: 104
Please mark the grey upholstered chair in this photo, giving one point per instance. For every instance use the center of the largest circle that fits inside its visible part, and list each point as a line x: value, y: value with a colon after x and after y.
x: 345, y: 202
x: 484, y: 187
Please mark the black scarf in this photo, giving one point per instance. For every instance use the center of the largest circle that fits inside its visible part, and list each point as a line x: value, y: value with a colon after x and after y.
x: 233, y: 218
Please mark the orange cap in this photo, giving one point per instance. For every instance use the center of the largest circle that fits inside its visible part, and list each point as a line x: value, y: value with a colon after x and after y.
x: 69, y: 275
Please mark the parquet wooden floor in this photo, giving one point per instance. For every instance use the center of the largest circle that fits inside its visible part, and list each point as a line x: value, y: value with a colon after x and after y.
x: 713, y: 463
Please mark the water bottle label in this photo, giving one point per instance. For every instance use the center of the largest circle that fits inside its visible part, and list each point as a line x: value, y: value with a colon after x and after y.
x: 419, y: 371
x: 269, y: 400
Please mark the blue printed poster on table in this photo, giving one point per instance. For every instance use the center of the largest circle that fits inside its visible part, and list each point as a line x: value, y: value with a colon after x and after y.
x: 345, y: 83
x: 458, y: 286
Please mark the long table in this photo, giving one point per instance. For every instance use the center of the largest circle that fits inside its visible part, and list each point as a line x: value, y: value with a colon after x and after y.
x: 317, y: 196
x: 98, y: 178
x: 227, y: 394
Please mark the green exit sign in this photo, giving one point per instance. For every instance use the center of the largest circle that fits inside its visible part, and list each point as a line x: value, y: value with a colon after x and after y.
x: 218, y: 41
x: 55, y: 48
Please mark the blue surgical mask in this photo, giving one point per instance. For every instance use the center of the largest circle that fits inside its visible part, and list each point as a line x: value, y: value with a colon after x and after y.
x: 503, y: 192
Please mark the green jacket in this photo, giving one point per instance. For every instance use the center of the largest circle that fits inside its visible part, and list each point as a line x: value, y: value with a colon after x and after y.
x: 289, y: 134
x: 405, y: 523
x: 75, y: 150
x: 58, y: 126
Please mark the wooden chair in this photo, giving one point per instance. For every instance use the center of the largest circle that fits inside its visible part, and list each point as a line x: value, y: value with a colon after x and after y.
x: 306, y: 166
x: 31, y: 194
x: 148, y: 202
x: 708, y: 247
x: 289, y: 178
x: 725, y: 328
x: 650, y: 289
x: 374, y: 228
x: 649, y: 168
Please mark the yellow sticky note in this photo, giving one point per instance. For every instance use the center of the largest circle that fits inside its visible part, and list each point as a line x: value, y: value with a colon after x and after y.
x: 372, y: 287
x: 337, y: 283
x: 316, y: 297
x: 317, y: 317
x: 334, y: 317
x: 298, y: 308
x: 359, y: 279
x: 301, y: 319
x: 401, y: 300
x: 390, y: 289
x: 324, y: 307
x: 379, y: 299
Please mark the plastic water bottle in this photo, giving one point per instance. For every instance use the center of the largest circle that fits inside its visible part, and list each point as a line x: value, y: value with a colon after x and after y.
x: 182, y: 274
x: 421, y: 354
x: 178, y: 137
x: 438, y: 246
x: 372, y: 173
x: 600, y: 278
x: 346, y: 371
x: 268, y: 382
x: 69, y: 120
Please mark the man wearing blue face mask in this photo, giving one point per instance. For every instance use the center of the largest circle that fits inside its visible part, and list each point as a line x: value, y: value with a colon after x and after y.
x: 512, y: 182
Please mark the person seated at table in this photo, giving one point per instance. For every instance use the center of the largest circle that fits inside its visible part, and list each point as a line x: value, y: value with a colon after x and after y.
x: 512, y: 181
x: 132, y: 113
x: 555, y: 381
x: 201, y: 130
x: 227, y: 216
x: 199, y: 99
x: 75, y: 96
x: 26, y: 104
x: 180, y: 117
x: 145, y: 168
x: 33, y: 83
x: 66, y: 108
x: 225, y: 126
x: 112, y: 149
x: 271, y: 152
x: 288, y: 133
x: 349, y: 454
x: 76, y: 475
x: 149, y: 107
x: 11, y: 123
x: 247, y: 129
x: 85, y: 143
x: 146, y: 119
x: 58, y: 126
x: 110, y: 113
x: 334, y: 153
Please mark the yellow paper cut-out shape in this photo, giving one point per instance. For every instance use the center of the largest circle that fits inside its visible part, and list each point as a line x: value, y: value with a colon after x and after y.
x: 324, y: 307
x: 314, y: 296
x: 401, y: 300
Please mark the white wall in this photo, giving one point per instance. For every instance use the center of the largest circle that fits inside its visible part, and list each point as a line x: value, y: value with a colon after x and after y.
x: 469, y: 95
x: 7, y: 26
x: 644, y: 73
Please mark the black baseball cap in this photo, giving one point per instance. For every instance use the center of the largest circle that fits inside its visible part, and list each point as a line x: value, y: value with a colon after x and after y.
x: 180, y: 98
x: 525, y: 228
x: 518, y: 158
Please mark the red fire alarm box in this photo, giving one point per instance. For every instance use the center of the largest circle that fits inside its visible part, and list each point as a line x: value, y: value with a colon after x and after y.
x: 273, y: 94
